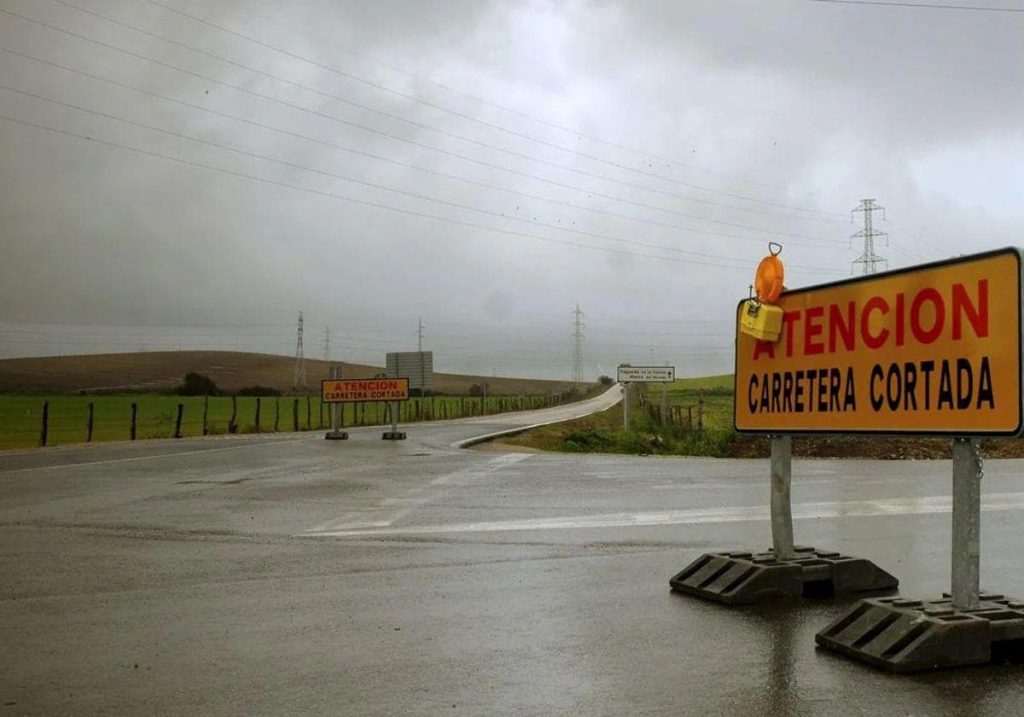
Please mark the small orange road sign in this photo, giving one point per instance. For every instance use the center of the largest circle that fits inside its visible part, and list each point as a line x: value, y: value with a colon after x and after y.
x: 357, y: 390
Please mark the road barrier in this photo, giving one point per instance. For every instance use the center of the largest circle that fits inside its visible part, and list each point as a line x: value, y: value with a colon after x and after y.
x: 928, y: 350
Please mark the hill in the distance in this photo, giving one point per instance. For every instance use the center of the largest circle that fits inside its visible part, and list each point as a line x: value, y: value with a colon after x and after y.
x: 160, y: 371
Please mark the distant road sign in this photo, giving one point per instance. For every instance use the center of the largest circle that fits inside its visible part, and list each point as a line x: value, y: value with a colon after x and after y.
x: 653, y: 374
x: 934, y: 349
x: 359, y: 390
x: 417, y: 366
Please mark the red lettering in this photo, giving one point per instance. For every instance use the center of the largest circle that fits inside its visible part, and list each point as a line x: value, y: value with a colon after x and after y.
x: 813, y: 328
x: 789, y: 318
x: 932, y: 295
x: 873, y: 341
x: 836, y: 327
x: 764, y: 347
x: 901, y: 329
x: 977, y: 315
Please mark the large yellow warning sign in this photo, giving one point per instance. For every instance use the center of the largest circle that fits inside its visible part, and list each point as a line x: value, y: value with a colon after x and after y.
x: 934, y: 349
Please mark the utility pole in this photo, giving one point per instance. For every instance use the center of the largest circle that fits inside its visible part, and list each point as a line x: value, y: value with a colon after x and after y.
x: 419, y: 336
x: 577, y: 350
x: 300, y: 361
x: 327, y: 344
x: 869, y: 259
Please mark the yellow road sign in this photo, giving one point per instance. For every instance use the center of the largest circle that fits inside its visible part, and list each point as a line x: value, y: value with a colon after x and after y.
x: 357, y: 390
x: 934, y: 349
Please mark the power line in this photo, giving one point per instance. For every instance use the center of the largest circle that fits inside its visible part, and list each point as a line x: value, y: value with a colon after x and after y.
x: 373, y: 185
x: 413, y: 98
x: 396, y: 162
x: 577, y: 345
x: 442, y: 132
x: 300, y: 361
x: 929, y: 6
x: 504, y: 108
x: 373, y: 130
x: 869, y: 259
x: 378, y: 205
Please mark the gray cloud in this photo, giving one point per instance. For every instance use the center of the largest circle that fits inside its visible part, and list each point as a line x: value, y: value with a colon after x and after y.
x: 787, y: 102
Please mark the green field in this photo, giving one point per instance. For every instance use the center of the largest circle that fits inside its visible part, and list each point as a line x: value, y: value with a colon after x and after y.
x: 21, y: 415
x: 604, y: 433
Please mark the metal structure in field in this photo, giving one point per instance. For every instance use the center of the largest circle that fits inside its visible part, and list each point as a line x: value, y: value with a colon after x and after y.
x: 417, y: 366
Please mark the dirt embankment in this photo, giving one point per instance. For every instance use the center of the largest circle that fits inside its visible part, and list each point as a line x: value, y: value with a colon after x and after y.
x: 157, y: 371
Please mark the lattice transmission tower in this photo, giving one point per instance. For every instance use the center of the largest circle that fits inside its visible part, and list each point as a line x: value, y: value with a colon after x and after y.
x: 577, y: 345
x: 300, y: 361
x: 869, y: 260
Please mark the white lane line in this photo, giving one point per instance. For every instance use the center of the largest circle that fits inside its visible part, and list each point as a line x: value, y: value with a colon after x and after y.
x: 417, y: 497
x: 153, y: 456
x: 736, y: 514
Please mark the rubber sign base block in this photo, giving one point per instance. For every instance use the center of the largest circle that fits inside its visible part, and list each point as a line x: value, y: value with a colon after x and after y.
x: 742, y: 578
x: 336, y: 436
x: 393, y: 436
x: 901, y: 635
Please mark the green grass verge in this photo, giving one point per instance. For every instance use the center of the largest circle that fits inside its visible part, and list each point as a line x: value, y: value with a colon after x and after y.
x: 21, y: 415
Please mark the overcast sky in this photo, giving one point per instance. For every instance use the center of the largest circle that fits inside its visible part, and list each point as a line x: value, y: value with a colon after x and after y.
x: 171, y: 181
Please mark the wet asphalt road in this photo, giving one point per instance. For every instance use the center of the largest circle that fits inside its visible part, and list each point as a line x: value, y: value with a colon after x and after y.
x: 287, y: 574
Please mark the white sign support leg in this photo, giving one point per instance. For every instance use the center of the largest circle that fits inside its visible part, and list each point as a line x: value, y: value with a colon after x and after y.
x: 967, y: 474
x: 781, y: 507
x: 625, y: 405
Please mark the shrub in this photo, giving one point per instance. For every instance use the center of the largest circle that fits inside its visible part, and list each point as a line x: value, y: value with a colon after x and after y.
x: 196, y: 384
x: 605, y: 380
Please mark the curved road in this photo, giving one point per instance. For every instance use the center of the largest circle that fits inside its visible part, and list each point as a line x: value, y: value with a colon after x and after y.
x: 286, y: 574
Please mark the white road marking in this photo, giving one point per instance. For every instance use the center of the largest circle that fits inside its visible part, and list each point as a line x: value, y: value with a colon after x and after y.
x: 801, y: 511
x: 417, y: 497
x: 153, y: 456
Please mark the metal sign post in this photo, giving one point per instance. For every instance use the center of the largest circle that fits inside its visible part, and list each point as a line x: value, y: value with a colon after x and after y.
x: 782, y: 510
x: 967, y: 475
x: 336, y: 434
x: 626, y: 390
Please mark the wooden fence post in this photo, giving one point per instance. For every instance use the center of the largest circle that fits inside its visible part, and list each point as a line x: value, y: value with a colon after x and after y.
x: 295, y: 414
x: 206, y: 415
x: 700, y: 412
x: 89, y: 424
x: 277, y: 413
x: 309, y: 413
x: 135, y: 415
x: 233, y: 423
x: 259, y: 429
x: 177, y: 421
x: 44, y: 430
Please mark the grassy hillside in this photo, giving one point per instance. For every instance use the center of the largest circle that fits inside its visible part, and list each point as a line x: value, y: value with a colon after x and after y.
x: 155, y: 372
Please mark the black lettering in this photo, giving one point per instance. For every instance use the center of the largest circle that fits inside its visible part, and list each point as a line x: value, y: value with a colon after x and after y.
x: 787, y: 392
x: 945, y: 386
x: 764, y: 393
x: 909, y: 386
x: 776, y: 387
x: 985, y: 393
x: 798, y: 399
x: 822, y: 388
x: 752, y: 393
x: 964, y: 383
x: 834, y: 380
x: 893, y: 394
x: 927, y: 367
x: 850, y: 399
x: 811, y: 374
x: 876, y: 399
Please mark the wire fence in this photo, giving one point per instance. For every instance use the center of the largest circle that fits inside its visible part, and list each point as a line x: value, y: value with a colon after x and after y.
x: 27, y: 421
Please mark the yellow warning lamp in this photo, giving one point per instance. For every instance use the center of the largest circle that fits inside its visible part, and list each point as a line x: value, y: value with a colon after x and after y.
x: 760, y: 317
